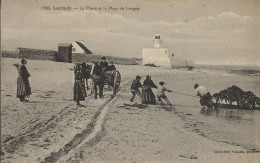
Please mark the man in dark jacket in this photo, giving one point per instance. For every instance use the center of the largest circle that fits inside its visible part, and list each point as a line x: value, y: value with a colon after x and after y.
x: 103, y: 63
x: 135, y: 88
x: 111, y: 67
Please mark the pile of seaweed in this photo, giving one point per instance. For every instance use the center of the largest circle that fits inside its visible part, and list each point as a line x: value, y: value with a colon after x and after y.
x: 244, y: 99
x: 150, y: 65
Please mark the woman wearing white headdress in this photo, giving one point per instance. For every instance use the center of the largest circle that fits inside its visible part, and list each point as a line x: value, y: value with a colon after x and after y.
x: 23, y: 85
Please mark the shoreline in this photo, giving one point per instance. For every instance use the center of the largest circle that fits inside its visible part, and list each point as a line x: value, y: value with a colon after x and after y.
x: 119, y: 142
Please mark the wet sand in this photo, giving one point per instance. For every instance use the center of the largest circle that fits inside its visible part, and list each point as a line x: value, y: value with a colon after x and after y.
x: 167, y: 134
x: 52, y: 128
x: 233, y: 126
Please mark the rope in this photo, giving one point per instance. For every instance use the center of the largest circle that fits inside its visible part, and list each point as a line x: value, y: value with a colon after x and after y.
x: 185, y: 94
x: 186, y: 105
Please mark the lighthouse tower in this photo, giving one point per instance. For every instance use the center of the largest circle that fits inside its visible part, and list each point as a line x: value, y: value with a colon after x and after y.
x: 157, y: 55
x: 157, y: 41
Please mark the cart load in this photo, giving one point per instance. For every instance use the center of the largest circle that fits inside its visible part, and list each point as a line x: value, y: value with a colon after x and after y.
x: 243, y: 99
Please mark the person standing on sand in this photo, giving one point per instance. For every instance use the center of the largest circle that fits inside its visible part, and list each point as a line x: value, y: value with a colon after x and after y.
x: 205, y: 96
x: 98, y: 80
x: 86, y: 72
x: 79, y: 86
x: 23, y: 85
x: 135, y: 88
x: 161, y: 94
x: 103, y: 63
x: 148, y: 96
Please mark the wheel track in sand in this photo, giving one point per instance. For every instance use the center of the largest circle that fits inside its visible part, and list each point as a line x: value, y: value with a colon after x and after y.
x: 89, y: 135
x: 41, y: 127
x: 93, y: 138
x: 13, y: 143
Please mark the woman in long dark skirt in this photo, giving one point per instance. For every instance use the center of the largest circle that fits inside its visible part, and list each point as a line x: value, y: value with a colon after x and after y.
x: 79, y: 86
x: 148, y: 96
x: 23, y: 84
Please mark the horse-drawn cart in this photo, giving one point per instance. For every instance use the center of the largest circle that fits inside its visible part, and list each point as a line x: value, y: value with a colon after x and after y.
x: 110, y: 78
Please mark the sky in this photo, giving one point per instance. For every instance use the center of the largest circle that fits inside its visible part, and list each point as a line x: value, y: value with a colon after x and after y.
x: 205, y: 31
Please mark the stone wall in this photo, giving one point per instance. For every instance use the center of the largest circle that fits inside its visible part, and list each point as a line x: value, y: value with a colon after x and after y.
x: 53, y: 56
x: 37, y: 54
x: 10, y: 54
x: 95, y: 58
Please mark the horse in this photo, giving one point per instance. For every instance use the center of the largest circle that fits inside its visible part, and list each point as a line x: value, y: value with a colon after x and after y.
x: 98, y: 79
x: 86, y: 69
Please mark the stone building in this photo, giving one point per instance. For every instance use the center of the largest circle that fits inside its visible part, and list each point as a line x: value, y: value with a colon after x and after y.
x: 161, y: 56
x: 64, y: 52
x: 157, y: 55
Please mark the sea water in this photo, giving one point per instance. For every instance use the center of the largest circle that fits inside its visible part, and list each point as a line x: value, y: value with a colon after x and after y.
x: 233, y: 126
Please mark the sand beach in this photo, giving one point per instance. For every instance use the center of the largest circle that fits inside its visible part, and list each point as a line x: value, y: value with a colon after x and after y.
x: 52, y: 128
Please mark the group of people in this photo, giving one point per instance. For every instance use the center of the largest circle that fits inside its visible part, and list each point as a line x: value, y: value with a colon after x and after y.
x: 83, y: 71
x: 104, y: 64
x: 147, y: 96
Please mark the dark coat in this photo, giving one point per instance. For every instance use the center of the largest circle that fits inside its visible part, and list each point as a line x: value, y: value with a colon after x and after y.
x: 79, y: 87
x: 23, y: 84
x: 136, y: 84
x: 111, y: 68
x: 103, y: 64
x: 148, y: 96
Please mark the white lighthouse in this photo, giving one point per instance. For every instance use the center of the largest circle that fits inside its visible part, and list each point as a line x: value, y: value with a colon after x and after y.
x: 157, y: 41
x: 158, y: 55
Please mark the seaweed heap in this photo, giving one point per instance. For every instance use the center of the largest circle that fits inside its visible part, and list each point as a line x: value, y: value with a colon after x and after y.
x: 244, y: 99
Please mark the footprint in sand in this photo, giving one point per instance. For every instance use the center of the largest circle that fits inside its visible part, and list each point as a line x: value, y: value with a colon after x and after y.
x: 24, y: 155
x: 48, y: 94
x: 189, y: 156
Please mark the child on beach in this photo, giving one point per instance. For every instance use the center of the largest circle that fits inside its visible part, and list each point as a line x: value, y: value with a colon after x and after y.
x: 161, y: 94
x: 135, y: 87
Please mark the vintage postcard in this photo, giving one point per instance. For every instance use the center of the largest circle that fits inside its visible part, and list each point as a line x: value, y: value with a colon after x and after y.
x: 130, y: 81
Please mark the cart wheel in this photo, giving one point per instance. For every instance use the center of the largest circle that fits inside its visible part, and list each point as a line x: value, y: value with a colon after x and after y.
x: 117, y: 80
